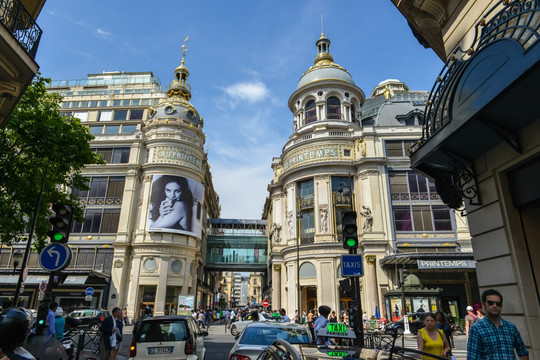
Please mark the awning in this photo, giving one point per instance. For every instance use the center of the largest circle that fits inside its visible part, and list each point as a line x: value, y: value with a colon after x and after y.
x: 431, y: 260
x: 9, y: 279
x: 75, y: 280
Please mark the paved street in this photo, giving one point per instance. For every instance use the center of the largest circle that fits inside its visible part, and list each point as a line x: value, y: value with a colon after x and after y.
x: 218, y: 344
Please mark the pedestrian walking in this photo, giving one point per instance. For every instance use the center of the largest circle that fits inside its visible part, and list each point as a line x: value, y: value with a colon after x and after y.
x: 432, y: 340
x: 59, y: 322
x: 470, y: 319
x: 493, y: 337
x: 111, y: 335
x: 443, y: 325
x: 125, y: 317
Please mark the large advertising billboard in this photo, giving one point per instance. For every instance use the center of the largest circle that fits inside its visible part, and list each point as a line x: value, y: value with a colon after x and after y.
x: 176, y: 205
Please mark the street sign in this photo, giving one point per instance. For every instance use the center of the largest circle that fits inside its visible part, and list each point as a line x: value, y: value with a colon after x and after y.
x: 89, y: 291
x: 42, y: 286
x: 265, y: 303
x: 351, y: 265
x: 41, y: 296
x: 88, y: 298
x: 55, y: 257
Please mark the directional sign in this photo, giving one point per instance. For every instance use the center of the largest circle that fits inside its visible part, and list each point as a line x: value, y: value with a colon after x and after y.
x: 351, y: 265
x: 265, y: 303
x: 89, y: 291
x: 55, y: 257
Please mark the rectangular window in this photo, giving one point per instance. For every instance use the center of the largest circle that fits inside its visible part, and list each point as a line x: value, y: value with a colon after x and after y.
x: 125, y: 102
x: 105, y: 115
x: 136, y: 102
x: 96, y: 130
x: 307, y: 224
x: 116, y: 187
x: 98, y: 187
x: 398, y: 186
x: 422, y: 218
x: 92, y: 104
x: 110, y: 221
x: 136, y: 114
x: 128, y: 129
x: 83, y: 104
x: 398, y: 147
x: 120, y: 156
x: 120, y: 115
x: 81, y: 115
x: 402, y: 218
x: 116, y: 103
x: 441, y: 218
x: 112, y: 129
x: 145, y: 102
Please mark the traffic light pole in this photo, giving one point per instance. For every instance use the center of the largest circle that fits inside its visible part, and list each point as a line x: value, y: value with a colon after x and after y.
x: 358, y: 323
x: 30, y: 236
x: 45, y: 304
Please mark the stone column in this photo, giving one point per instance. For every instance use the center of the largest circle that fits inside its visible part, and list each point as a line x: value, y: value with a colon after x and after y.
x: 276, y: 286
x: 133, y: 288
x: 371, y: 283
x: 161, y: 290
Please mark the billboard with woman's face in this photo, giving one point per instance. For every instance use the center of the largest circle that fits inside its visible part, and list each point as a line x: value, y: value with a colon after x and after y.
x: 176, y: 205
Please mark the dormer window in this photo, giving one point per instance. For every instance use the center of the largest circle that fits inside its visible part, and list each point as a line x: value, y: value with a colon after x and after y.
x: 333, y: 106
x: 311, y: 112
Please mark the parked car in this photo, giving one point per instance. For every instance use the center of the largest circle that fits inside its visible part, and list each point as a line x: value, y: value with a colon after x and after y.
x: 416, y: 322
x: 90, y: 319
x: 168, y: 337
x: 238, y: 326
x: 257, y: 336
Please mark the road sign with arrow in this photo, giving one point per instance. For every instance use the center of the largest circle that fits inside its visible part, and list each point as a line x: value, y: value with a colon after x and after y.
x: 55, y: 257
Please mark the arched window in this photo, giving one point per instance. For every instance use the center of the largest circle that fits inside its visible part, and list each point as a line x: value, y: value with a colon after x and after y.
x: 311, y: 112
x: 333, y: 108
x: 353, y: 113
x: 308, y: 271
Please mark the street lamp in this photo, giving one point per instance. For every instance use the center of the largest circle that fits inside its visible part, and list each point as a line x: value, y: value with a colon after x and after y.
x: 17, y: 258
x: 298, y: 232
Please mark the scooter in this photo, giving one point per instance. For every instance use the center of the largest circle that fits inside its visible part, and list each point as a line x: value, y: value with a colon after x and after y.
x: 68, y: 344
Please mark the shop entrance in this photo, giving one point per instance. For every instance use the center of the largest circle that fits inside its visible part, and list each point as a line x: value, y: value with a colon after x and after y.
x: 311, y: 295
x: 170, y: 308
x: 147, y: 299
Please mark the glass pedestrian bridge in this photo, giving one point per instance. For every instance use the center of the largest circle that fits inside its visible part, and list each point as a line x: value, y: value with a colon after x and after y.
x: 237, y: 245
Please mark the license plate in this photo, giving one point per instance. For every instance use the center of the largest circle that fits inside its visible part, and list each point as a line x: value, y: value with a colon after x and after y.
x: 160, y: 350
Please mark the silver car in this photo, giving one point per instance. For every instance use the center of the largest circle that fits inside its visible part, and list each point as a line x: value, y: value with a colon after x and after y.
x: 238, y: 326
x: 257, y: 336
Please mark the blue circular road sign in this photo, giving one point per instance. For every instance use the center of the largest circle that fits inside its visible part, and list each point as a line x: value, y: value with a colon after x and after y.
x: 89, y: 291
x: 55, y: 257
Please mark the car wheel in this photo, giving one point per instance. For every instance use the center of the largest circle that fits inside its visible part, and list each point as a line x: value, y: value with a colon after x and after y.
x: 94, y: 327
x: 234, y: 330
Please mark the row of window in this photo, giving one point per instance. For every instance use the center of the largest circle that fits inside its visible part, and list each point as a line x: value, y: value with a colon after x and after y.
x: 106, y: 115
x: 118, y: 155
x: 333, y: 110
x: 112, y: 129
x: 398, y: 147
x: 105, y: 103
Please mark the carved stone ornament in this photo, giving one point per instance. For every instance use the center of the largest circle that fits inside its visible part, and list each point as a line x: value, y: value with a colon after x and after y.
x: 277, y: 267
x: 147, y: 178
x: 290, y: 224
x: 323, y: 216
x: 361, y: 147
x: 368, y: 219
x: 370, y: 259
x: 118, y: 263
x: 275, y: 233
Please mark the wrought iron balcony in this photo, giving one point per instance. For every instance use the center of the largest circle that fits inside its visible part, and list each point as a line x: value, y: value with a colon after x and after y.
x: 21, y: 25
x: 473, y: 103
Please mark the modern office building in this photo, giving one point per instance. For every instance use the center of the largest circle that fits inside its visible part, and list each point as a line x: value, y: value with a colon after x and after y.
x: 19, y: 41
x: 143, y: 240
x: 481, y: 142
x: 348, y: 152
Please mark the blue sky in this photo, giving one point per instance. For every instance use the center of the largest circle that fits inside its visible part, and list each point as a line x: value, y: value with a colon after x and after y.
x: 245, y: 59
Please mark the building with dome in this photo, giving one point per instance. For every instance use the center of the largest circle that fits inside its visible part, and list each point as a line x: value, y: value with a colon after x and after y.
x: 348, y: 152
x: 142, y: 243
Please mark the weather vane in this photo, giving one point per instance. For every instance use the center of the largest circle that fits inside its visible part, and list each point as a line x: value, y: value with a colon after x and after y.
x: 322, y: 29
x: 184, y: 48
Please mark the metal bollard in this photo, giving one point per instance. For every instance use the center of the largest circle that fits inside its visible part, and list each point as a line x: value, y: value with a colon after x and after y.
x: 80, y: 344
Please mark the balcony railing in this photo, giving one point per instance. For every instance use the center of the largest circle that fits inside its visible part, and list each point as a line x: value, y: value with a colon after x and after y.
x: 21, y: 25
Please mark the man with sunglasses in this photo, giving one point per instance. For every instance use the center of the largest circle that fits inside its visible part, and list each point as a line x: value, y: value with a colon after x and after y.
x: 493, y: 337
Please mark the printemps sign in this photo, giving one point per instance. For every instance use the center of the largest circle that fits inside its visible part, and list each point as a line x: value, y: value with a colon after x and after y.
x: 310, y: 155
x: 177, y: 155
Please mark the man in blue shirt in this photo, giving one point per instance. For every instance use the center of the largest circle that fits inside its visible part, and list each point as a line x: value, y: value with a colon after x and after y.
x: 320, y: 323
x: 493, y: 337
x: 284, y: 317
x: 51, y: 329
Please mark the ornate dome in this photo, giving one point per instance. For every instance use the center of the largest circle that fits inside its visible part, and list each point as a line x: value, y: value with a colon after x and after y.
x: 177, y: 106
x: 324, y: 68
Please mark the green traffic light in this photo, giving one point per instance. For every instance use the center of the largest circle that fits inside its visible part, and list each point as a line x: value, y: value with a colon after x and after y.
x: 40, y: 322
x: 351, y: 242
x: 58, y: 236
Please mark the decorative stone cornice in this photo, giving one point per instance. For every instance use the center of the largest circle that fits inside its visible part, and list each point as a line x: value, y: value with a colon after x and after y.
x: 370, y: 259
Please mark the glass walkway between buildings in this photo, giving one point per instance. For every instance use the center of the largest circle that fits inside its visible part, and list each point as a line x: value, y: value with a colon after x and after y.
x: 237, y: 245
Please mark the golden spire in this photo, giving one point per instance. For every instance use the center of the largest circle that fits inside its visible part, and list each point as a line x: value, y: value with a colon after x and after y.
x: 323, y: 50
x: 179, y: 86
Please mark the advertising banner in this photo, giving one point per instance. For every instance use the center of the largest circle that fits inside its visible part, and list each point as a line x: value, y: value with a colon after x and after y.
x: 176, y: 205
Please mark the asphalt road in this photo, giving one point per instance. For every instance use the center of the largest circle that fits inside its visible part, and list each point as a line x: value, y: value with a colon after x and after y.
x: 218, y: 343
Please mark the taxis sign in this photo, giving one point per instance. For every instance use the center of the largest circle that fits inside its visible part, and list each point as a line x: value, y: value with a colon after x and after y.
x: 337, y: 330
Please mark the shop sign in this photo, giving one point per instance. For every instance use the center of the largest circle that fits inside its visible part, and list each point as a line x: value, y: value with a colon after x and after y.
x: 309, y: 155
x: 446, y: 264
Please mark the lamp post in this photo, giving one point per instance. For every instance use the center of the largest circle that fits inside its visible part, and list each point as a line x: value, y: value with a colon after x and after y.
x: 17, y: 257
x: 298, y: 233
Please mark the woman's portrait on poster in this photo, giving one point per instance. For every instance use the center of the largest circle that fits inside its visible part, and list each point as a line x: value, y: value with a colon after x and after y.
x: 171, y: 203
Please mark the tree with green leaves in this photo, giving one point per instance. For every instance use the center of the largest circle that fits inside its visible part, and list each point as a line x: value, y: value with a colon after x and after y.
x: 37, y: 138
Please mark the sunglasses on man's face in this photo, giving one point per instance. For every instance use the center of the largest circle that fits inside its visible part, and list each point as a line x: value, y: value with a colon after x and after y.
x: 498, y: 303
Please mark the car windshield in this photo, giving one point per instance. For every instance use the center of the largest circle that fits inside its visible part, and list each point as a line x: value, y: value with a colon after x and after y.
x: 267, y: 335
x: 155, y: 331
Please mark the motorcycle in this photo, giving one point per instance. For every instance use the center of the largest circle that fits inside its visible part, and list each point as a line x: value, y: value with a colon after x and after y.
x: 68, y: 344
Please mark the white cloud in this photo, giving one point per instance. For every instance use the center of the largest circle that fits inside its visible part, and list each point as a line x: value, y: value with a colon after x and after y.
x: 248, y: 91
x: 103, y: 34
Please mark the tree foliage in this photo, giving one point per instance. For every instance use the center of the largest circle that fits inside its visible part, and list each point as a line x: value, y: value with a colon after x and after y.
x: 36, y: 136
